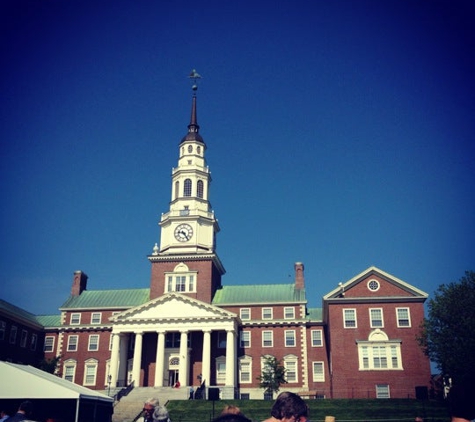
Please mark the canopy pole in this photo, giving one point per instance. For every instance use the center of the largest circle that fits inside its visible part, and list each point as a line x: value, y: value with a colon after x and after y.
x: 76, y: 419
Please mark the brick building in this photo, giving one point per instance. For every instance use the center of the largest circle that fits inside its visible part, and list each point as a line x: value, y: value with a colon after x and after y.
x: 190, y: 327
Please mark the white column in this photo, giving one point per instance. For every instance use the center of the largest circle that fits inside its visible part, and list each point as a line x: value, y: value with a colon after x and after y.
x: 183, y: 371
x: 122, y: 377
x: 206, y: 359
x: 137, y: 363
x: 114, y: 365
x: 230, y: 358
x: 160, y: 360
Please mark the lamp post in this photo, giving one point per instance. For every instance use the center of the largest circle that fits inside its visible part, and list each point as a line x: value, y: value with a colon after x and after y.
x: 109, y: 379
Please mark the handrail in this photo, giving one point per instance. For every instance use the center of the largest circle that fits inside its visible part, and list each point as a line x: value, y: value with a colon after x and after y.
x: 124, y: 392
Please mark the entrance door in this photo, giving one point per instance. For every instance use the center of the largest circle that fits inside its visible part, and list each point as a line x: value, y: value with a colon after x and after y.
x: 172, y: 377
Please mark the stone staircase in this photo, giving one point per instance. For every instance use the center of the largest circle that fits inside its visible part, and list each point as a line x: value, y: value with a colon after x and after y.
x: 131, y: 405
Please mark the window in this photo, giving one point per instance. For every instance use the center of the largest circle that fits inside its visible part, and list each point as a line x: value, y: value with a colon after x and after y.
x: 245, y: 314
x: 33, y: 341
x: 245, y: 339
x: 266, y: 313
x: 49, y: 344
x: 3, y: 328
x: 181, y: 279
x: 75, y: 319
x: 69, y: 370
x: 24, y: 338
x: 111, y: 338
x: 177, y: 189
x: 172, y: 340
x: 373, y: 285
x: 267, y: 339
x: 382, y: 391
x: 187, y: 188
x: 317, y: 339
x: 380, y: 357
x: 290, y: 364
x: 96, y: 318
x: 376, y: 318
x: 245, y: 369
x: 289, y: 313
x: 180, y: 283
x: 349, y: 318
x: 403, y: 317
x: 90, y: 372
x: 222, y: 339
x: 221, y: 370
x: 290, y: 338
x: 72, y: 343
x: 93, y: 343
x: 318, y: 372
x: 199, y: 188
x: 13, y: 332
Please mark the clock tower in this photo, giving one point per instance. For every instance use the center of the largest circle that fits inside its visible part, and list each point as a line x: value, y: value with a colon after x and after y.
x: 186, y: 260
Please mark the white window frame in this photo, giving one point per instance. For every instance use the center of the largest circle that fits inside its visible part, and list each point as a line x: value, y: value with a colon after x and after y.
x: 267, y: 338
x: 317, y: 338
x: 90, y: 372
x: 290, y: 338
x: 347, y: 322
x: 73, y: 342
x: 181, y: 279
x: 289, y: 312
x: 245, y: 370
x: 23, y: 338
x: 399, y: 318
x: 245, y: 314
x: 318, y: 371
x: 374, y: 321
x: 291, y: 369
x: 13, y: 334
x: 221, y: 370
x: 33, y: 341
x: 267, y: 313
x: 75, y: 319
x: 96, y: 317
x: 245, y: 339
x: 93, y: 343
x: 71, y: 364
x: 382, y: 391
x: 384, y: 356
x: 47, y: 346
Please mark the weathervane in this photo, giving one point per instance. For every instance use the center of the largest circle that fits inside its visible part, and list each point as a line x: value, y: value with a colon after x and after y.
x: 195, y: 76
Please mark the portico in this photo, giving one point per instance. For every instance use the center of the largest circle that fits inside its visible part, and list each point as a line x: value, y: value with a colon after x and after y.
x: 179, y: 330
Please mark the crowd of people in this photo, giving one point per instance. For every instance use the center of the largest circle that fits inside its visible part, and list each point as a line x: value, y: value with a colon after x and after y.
x: 288, y: 407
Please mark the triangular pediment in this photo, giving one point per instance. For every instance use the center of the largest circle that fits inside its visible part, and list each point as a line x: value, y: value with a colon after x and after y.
x: 375, y: 283
x: 173, y: 307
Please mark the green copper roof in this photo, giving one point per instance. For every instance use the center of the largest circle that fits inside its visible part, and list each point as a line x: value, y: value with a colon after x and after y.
x: 264, y: 293
x: 107, y: 299
x: 49, y: 320
x: 314, y: 314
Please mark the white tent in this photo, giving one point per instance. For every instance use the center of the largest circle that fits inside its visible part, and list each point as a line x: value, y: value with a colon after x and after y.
x: 27, y: 382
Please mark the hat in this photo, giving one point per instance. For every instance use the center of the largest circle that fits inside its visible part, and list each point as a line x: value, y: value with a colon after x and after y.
x: 160, y: 414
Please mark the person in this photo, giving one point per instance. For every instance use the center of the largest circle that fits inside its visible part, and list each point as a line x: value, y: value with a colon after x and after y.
x: 161, y: 414
x: 177, y: 384
x: 148, y: 409
x: 231, y: 417
x: 288, y: 407
x: 418, y: 419
x: 231, y: 410
x: 192, y: 393
x: 461, y: 400
x: 3, y: 415
x: 24, y: 412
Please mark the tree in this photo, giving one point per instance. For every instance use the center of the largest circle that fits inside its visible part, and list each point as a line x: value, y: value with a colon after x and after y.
x: 273, y: 375
x: 447, y: 334
x: 49, y: 365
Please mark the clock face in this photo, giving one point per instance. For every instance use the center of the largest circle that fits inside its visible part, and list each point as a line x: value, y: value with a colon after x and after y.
x: 183, y: 232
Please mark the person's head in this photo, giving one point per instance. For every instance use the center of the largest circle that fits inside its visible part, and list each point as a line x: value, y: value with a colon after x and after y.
x: 418, y: 419
x: 231, y: 417
x: 149, y: 406
x: 26, y: 407
x: 160, y: 414
x: 290, y: 406
x: 232, y: 410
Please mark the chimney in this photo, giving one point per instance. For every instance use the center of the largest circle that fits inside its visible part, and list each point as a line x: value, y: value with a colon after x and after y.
x: 79, y: 283
x: 299, y: 278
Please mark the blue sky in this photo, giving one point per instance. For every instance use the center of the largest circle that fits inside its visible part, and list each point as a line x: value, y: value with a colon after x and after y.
x: 340, y: 134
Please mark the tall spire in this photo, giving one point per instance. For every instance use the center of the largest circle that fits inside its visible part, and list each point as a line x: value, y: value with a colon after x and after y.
x: 193, y: 127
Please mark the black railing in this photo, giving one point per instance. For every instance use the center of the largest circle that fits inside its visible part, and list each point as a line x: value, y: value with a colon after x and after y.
x: 124, y: 392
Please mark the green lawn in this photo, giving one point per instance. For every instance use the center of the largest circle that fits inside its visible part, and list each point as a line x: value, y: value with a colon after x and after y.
x: 404, y: 410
